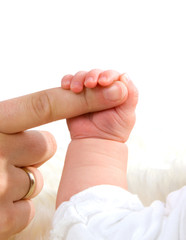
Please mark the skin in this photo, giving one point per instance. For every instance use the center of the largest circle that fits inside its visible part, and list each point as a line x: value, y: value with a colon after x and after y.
x: 20, y: 148
x: 97, y: 153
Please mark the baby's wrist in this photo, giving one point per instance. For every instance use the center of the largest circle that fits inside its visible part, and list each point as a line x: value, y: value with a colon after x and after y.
x: 97, y: 150
x: 90, y: 162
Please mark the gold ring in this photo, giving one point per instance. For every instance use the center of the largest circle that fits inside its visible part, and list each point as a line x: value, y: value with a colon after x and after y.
x: 32, y: 183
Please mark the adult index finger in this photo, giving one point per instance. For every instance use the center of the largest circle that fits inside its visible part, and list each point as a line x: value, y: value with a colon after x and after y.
x: 39, y: 108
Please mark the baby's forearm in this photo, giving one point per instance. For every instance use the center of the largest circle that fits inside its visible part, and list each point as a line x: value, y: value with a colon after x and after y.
x: 90, y: 162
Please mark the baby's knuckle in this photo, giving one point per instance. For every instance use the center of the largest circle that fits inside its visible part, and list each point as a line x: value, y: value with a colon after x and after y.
x: 80, y: 73
x: 94, y: 71
x: 135, y: 96
x: 131, y: 122
x: 41, y: 106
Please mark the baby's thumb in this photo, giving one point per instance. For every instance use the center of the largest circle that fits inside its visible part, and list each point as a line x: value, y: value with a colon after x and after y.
x: 102, y: 98
x: 116, y: 92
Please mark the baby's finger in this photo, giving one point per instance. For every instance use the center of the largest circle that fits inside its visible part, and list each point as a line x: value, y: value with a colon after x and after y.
x: 106, y: 78
x: 77, y: 82
x: 133, y: 94
x: 66, y: 81
x: 91, y: 79
x: 126, y: 110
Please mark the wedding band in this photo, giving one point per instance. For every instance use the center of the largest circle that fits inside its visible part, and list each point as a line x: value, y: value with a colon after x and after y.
x: 32, y: 183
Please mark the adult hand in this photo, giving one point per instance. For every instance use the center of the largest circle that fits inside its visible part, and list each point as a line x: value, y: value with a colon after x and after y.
x: 25, y: 149
x: 30, y: 149
x: 36, y: 109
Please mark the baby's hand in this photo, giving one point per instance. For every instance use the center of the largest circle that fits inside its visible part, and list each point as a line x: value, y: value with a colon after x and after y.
x: 112, y: 124
x: 90, y: 79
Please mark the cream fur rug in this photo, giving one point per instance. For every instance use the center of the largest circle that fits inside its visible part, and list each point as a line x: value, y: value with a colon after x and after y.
x: 152, y: 174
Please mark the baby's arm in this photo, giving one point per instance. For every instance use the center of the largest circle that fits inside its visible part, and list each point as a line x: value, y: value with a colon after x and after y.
x: 90, y: 162
x: 97, y: 154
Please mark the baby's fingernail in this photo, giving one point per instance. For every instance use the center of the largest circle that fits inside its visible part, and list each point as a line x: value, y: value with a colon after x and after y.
x: 89, y: 79
x: 102, y: 79
x: 115, y: 92
x: 65, y: 83
x: 125, y: 77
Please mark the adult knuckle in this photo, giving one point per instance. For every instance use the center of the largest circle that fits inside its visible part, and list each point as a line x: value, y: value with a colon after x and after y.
x: 52, y: 143
x: 41, y: 106
x: 3, y: 184
x: 2, y: 187
x: 7, y: 220
x: 3, y: 144
x: 1, y: 153
x: 86, y: 100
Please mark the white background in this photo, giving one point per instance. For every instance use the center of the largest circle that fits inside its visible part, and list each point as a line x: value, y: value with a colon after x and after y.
x: 41, y: 40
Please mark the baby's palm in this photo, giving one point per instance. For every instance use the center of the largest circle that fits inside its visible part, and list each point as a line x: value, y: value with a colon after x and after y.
x: 112, y: 124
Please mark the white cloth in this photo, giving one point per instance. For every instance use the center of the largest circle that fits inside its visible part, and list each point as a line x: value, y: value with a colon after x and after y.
x: 110, y: 213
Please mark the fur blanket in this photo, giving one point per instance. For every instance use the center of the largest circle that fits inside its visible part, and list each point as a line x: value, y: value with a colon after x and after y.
x: 152, y: 175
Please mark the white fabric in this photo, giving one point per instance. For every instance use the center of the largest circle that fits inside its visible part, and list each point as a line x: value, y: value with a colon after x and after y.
x: 110, y: 213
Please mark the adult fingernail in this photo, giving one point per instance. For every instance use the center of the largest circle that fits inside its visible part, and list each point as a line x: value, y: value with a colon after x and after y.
x: 115, y: 92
